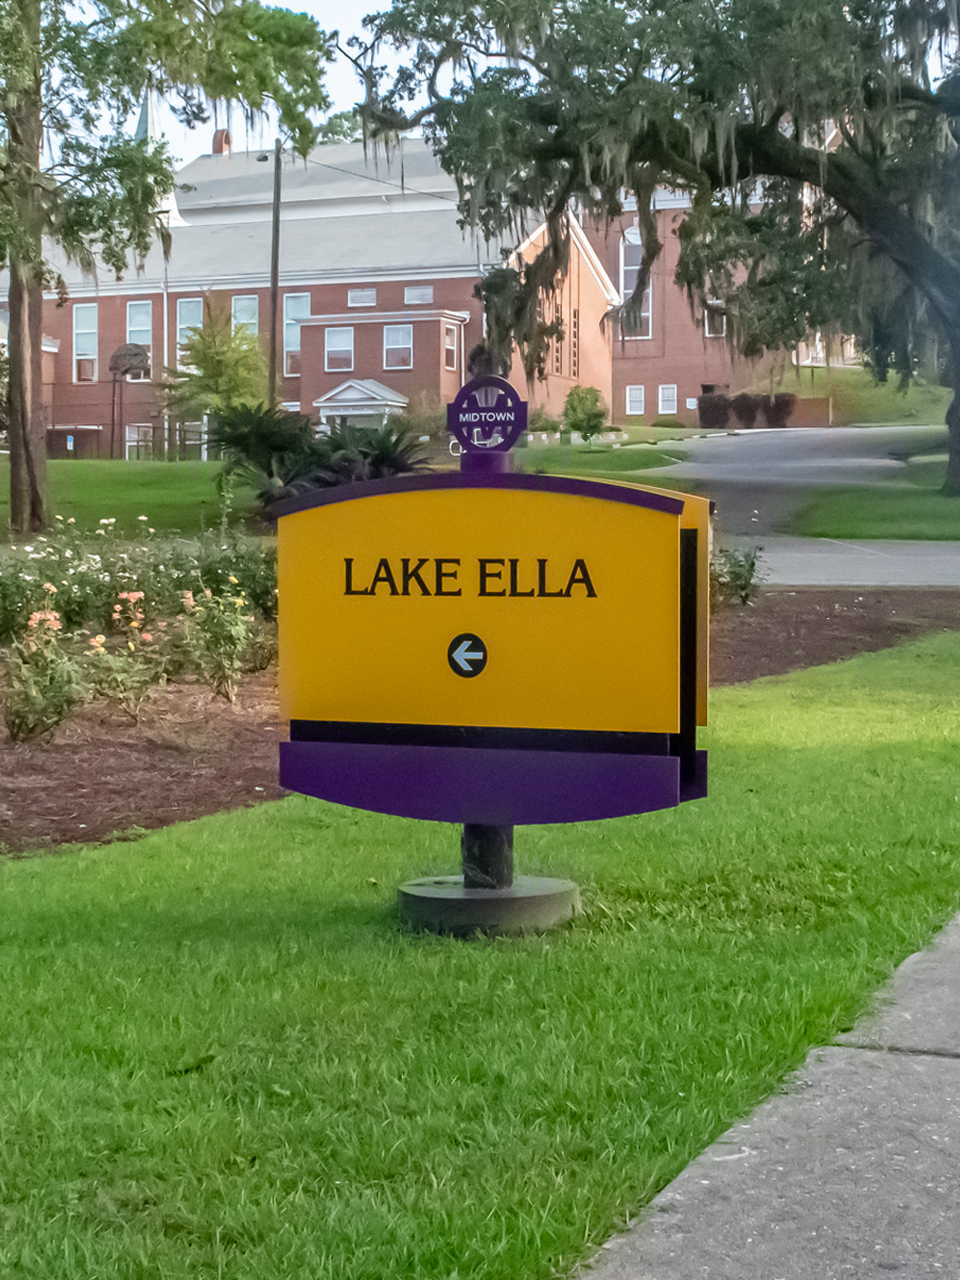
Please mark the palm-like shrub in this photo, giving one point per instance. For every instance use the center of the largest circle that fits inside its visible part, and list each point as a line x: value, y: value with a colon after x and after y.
x: 279, y: 454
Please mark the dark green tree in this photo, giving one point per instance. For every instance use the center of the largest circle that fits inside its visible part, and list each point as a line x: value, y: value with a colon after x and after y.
x: 218, y: 367
x: 584, y: 412
x: 64, y: 70
x: 821, y: 161
x: 342, y: 126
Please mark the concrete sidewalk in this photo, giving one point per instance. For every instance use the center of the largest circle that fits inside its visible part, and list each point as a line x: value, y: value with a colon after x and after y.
x: 813, y: 562
x: 852, y: 1172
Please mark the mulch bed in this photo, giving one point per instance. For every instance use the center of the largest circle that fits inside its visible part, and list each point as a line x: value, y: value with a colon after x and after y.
x: 102, y: 777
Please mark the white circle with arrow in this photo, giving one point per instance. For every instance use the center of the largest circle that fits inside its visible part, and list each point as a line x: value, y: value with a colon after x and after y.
x: 467, y: 655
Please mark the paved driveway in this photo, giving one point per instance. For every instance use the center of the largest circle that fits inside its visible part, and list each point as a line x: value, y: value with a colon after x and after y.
x: 758, y: 478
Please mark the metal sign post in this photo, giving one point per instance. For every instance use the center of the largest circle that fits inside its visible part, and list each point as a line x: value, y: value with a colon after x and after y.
x: 540, y: 656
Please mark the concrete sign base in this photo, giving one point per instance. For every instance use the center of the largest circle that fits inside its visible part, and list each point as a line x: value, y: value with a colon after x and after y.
x: 440, y: 904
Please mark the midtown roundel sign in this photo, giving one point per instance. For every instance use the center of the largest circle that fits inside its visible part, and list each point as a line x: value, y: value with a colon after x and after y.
x: 487, y: 415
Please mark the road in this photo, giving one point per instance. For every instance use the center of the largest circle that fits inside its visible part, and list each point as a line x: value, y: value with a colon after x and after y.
x: 758, y: 478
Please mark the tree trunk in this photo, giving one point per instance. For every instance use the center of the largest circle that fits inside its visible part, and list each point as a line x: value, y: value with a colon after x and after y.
x: 951, y: 486
x: 28, y: 444
x: 850, y: 183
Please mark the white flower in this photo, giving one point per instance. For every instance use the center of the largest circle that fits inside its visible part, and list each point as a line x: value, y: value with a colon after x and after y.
x: 142, y: 518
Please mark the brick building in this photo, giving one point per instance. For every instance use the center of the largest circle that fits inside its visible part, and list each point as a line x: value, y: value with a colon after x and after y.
x: 376, y: 301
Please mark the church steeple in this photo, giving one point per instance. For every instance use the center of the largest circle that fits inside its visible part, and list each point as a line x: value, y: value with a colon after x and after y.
x: 148, y: 126
x: 149, y: 129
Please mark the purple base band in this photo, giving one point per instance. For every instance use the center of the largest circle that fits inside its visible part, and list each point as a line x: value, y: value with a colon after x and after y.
x: 496, y: 787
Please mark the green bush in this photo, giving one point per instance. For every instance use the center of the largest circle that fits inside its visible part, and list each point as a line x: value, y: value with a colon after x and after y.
x: 584, y: 412
x: 734, y: 576
x: 220, y: 633
x: 713, y: 411
x: 42, y: 682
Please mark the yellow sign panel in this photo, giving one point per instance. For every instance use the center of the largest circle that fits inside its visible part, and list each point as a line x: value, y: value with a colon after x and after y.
x: 503, y: 606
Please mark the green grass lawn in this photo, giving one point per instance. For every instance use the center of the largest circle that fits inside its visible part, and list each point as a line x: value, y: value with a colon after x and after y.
x: 908, y: 504
x: 173, y: 496
x: 857, y: 398
x: 879, y: 512
x: 594, y: 460
x: 221, y: 1058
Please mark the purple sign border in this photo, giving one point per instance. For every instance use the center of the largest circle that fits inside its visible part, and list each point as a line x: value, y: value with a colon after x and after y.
x: 458, y: 480
x: 497, y: 787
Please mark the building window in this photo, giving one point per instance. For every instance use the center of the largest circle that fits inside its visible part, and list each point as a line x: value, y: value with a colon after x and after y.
x: 85, y: 342
x: 296, y: 307
x: 189, y: 316
x: 667, y: 400
x: 338, y: 350
x: 714, y: 320
x: 361, y: 297
x: 139, y: 442
x: 634, y: 404
x: 450, y: 346
x: 631, y: 257
x: 398, y: 346
x: 575, y: 345
x: 418, y: 295
x: 245, y: 310
x: 140, y: 330
x: 558, y: 343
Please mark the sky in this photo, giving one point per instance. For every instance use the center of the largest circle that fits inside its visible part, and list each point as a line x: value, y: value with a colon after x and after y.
x: 341, y: 81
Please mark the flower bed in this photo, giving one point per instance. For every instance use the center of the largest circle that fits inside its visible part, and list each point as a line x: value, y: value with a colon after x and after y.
x: 88, y: 616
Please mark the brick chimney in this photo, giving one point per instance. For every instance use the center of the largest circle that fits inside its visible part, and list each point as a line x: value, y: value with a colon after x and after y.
x: 221, y: 142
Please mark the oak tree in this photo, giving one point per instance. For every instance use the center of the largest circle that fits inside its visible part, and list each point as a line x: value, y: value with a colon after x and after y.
x: 819, y: 150
x: 70, y: 177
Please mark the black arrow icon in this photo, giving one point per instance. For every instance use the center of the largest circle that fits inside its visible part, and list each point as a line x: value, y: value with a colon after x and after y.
x: 467, y: 655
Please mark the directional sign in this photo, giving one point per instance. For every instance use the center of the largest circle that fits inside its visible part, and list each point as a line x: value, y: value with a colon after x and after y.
x: 591, y: 597
x: 467, y: 655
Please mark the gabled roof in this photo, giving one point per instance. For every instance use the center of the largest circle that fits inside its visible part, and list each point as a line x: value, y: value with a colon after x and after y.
x: 362, y: 395
x: 389, y: 244
x: 239, y: 186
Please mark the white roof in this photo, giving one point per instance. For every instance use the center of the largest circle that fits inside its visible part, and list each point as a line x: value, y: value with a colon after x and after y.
x: 361, y: 396
x: 345, y: 216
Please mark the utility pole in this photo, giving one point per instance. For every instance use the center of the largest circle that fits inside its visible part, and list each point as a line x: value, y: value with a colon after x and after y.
x: 274, y: 273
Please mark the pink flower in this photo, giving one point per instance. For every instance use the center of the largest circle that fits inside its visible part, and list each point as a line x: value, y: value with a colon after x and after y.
x: 48, y: 586
x: 147, y: 636
x: 45, y: 617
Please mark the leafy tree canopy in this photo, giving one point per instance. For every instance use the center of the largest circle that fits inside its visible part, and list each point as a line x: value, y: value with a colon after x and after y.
x: 821, y: 160
x: 218, y: 367
x: 69, y: 77
x: 342, y: 126
x: 585, y: 412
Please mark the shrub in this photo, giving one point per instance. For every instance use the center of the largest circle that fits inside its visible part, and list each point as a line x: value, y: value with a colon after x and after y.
x: 123, y: 676
x: 745, y: 408
x: 734, y: 576
x: 281, y: 457
x: 778, y: 410
x: 220, y: 632
x: 42, y: 682
x: 713, y: 410
x: 89, y: 582
x: 584, y: 412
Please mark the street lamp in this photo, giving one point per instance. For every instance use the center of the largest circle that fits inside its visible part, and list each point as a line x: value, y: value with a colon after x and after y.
x: 274, y: 272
